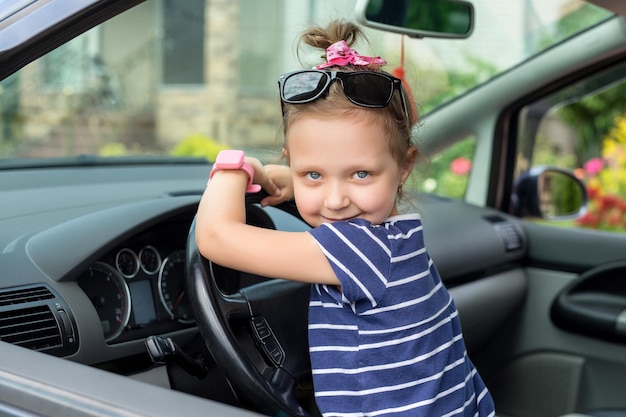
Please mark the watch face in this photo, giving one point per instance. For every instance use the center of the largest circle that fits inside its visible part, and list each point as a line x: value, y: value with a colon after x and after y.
x: 230, y: 159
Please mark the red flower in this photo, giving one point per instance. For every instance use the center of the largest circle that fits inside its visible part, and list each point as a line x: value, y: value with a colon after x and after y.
x: 614, y: 219
x: 609, y: 201
x: 593, y: 192
x: 589, y: 220
x: 461, y: 166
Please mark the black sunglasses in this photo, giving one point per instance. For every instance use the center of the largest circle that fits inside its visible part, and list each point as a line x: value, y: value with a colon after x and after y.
x: 363, y: 88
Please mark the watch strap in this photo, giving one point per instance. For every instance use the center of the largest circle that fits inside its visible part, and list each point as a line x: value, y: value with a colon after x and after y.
x: 235, y: 159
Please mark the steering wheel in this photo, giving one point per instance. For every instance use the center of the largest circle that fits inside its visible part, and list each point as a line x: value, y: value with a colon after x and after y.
x: 257, y: 336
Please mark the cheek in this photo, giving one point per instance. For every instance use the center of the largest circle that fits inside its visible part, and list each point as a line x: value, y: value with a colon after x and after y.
x: 378, y: 199
x: 309, y: 212
x: 306, y: 199
x: 381, y: 203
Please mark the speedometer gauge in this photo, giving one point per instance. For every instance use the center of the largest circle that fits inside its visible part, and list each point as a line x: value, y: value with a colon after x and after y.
x: 109, y: 294
x: 172, y: 288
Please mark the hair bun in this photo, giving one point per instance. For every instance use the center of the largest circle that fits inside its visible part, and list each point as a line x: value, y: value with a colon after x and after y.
x: 337, y: 30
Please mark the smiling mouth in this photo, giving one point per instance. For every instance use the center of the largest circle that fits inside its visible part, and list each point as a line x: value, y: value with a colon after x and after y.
x: 327, y: 220
x: 332, y: 220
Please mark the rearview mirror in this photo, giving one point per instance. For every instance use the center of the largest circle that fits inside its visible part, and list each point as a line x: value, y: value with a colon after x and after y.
x: 418, y: 18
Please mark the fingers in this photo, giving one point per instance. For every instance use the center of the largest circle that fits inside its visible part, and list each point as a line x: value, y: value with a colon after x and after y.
x: 267, y: 184
x: 274, y: 200
x: 281, y: 177
x: 260, y: 176
x: 274, y: 179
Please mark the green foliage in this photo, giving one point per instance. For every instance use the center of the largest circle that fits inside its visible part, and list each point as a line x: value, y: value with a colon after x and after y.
x: 581, y: 18
x: 597, y: 99
x: 442, y: 87
x: 593, y: 117
x: 199, y: 146
x: 113, y: 149
x: 545, y: 153
x: 451, y: 185
x: 438, y: 176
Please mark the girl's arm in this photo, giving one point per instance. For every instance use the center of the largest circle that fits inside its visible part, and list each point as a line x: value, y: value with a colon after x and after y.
x: 223, y: 236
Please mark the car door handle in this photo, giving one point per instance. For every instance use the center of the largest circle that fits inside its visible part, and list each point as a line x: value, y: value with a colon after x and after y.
x: 594, y: 304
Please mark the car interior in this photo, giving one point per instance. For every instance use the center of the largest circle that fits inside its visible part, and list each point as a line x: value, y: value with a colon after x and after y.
x: 108, y: 309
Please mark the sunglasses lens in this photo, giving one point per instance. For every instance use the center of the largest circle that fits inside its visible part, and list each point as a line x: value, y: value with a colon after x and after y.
x: 367, y: 89
x: 362, y: 88
x: 304, y: 86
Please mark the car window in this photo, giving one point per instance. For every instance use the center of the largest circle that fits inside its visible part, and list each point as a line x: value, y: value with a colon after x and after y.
x: 187, y: 79
x: 447, y: 173
x: 582, y: 128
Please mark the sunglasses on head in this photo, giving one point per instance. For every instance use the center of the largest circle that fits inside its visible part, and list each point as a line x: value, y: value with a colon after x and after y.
x: 363, y: 88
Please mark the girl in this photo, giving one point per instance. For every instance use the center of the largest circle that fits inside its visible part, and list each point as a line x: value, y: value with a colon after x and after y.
x: 384, y: 333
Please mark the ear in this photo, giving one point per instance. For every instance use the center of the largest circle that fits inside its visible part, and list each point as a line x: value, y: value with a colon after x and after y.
x: 409, y: 162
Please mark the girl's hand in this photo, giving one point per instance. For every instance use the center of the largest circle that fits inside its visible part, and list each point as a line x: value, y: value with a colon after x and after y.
x: 262, y: 178
x: 274, y: 179
x: 280, y: 176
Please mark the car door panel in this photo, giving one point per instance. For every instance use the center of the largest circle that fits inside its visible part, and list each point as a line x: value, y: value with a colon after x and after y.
x: 572, y: 249
x: 477, y: 301
x: 543, y: 369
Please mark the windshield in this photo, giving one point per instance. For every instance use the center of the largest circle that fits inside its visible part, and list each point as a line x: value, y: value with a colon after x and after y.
x: 189, y: 78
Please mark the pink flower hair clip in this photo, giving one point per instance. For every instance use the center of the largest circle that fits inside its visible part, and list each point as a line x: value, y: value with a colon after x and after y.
x: 340, y: 54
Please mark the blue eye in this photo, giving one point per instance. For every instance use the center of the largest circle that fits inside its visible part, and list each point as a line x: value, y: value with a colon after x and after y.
x: 361, y: 174
x: 313, y: 175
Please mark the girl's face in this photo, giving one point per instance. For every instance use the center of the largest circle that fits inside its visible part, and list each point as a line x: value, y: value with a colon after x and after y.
x: 342, y: 169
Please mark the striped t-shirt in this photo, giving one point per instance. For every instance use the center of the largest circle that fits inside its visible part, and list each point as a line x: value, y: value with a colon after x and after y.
x: 389, y: 342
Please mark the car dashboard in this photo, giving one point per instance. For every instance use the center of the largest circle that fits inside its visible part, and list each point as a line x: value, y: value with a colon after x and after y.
x: 92, y: 259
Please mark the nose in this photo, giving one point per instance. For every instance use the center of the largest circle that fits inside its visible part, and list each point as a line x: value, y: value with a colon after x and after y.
x: 336, y: 196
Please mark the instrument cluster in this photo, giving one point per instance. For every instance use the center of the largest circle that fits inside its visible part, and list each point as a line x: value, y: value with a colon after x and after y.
x: 139, y: 288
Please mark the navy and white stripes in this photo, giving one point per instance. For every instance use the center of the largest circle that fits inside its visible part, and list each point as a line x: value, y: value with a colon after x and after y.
x: 390, y: 342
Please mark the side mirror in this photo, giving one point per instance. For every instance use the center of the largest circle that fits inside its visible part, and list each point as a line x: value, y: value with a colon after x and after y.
x: 418, y: 18
x: 549, y: 193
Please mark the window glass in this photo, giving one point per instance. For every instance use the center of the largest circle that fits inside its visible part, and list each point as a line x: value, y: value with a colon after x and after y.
x: 582, y: 128
x: 183, y: 41
x: 56, y: 75
x: 447, y: 173
x: 188, y: 78
x: 258, y: 21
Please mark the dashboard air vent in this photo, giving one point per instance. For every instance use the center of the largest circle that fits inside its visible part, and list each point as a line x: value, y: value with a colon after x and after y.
x: 35, y: 317
x: 33, y: 328
x: 511, y: 236
x: 24, y: 295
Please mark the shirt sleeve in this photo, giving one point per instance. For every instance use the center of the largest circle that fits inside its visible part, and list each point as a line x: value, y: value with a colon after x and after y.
x: 360, y: 256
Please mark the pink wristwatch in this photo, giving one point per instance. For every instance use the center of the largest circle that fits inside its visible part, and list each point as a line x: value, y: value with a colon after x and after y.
x: 235, y: 159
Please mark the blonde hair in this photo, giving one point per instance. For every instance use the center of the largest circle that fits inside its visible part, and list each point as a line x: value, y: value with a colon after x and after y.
x: 392, y: 118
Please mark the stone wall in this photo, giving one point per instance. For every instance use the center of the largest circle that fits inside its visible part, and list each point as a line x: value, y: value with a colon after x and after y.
x: 152, y: 118
x: 218, y: 109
